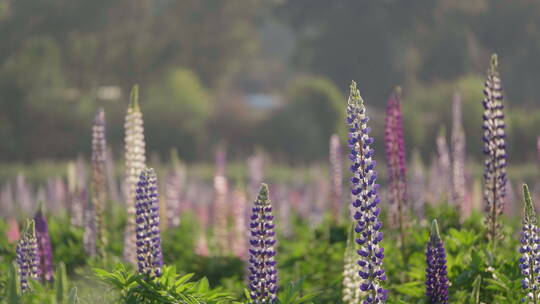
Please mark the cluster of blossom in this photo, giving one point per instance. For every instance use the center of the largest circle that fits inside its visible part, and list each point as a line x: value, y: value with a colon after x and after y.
x: 45, y: 269
x: 529, y: 262
x: 494, y: 139
x: 135, y: 163
x: 365, y: 201
x: 395, y: 157
x: 95, y: 231
x: 436, y: 273
x: 262, y: 265
x: 148, y: 238
x: 27, y: 257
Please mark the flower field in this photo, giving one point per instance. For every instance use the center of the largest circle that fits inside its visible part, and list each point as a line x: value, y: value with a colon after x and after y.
x: 366, y: 227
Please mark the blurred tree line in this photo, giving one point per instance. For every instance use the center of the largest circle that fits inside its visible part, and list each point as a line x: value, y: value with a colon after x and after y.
x: 198, y: 61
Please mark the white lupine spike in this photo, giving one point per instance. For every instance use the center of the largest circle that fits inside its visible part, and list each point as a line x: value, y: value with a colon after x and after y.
x: 135, y: 158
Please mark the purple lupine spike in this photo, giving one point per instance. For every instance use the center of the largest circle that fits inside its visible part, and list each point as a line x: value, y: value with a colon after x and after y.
x: 495, y: 150
x: 98, y: 194
x: 364, y: 202
x: 436, y: 273
x: 45, y: 269
x: 336, y: 176
x: 149, y: 255
x: 458, y: 158
x: 529, y: 262
x: 262, y: 270
x: 27, y: 256
x: 395, y: 156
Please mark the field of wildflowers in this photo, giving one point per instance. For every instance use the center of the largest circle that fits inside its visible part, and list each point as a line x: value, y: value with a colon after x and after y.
x: 259, y: 232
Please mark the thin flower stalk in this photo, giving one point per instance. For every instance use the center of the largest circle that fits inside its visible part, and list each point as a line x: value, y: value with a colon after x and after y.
x: 27, y: 256
x: 148, y: 242
x: 436, y: 273
x: 336, y: 177
x: 529, y: 262
x: 494, y: 139
x: 98, y: 193
x: 45, y: 269
x: 262, y: 265
x: 135, y: 158
x: 458, y: 157
x: 364, y: 201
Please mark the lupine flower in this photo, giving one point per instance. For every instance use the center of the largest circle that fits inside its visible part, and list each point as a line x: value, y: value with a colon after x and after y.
x: 221, y: 190
x: 365, y: 201
x: 135, y: 162
x: 149, y: 255
x: 12, y: 233
x: 98, y: 194
x: 436, y: 274
x: 336, y: 176
x: 27, y: 256
x: 263, y: 273
x: 45, y: 269
x: 458, y: 157
x: 395, y: 156
x: 351, y: 294
x: 529, y: 262
x: 495, y: 151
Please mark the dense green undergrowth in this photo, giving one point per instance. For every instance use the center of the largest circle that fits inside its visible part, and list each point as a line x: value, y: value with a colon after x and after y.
x: 310, y: 263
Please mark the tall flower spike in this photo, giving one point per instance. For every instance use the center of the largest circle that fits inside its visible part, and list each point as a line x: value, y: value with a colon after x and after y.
x: 495, y: 151
x: 529, y: 262
x: 436, y: 274
x: 365, y: 201
x: 395, y: 156
x: 262, y: 270
x: 98, y: 194
x: 27, y: 256
x: 149, y: 255
x: 458, y: 157
x: 135, y: 163
x: 45, y: 269
x: 336, y: 176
